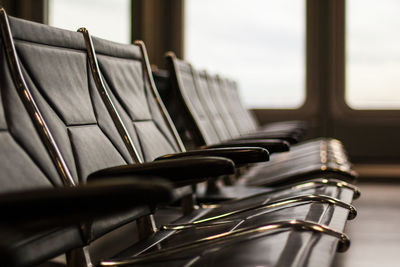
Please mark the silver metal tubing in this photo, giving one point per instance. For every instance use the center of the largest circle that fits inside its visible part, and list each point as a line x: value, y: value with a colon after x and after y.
x: 146, y: 226
x: 238, y: 235
x: 158, y: 99
x: 94, y: 66
x: 328, y: 181
x: 269, y: 205
x: 302, y: 185
x: 79, y: 257
x: 30, y: 104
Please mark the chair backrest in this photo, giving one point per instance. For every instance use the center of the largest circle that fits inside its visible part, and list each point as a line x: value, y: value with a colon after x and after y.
x: 203, y: 103
x: 26, y: 164
x: 54, y: 65
x: 187, y: 107
x: 237, y: 112
x: 250, y: 119
x: 210, y: 106
x: 126, y: 79
x: 220, y: 101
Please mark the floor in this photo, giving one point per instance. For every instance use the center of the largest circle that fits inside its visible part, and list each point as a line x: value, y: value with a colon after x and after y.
x: 375, y: 233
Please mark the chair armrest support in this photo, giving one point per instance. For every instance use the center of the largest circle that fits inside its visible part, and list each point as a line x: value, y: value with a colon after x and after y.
x: 181, y: 172
x: 272, y: 145
x: 239, y: 155
x: 71, y: 205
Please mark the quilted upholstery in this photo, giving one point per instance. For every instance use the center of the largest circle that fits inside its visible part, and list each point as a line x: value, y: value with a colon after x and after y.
x: 56, y: 69
x: 25, y: 164
x: 126, y: 80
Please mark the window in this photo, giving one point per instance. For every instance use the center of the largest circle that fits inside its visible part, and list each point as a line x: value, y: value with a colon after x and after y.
x: 373, y: 54
x: 103, y: 18
x: 259, y: 43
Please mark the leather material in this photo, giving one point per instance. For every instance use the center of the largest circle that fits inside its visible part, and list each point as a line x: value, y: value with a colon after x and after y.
x: 243, y: 155
x: 90, y: 142
x: 218, y: 98
x: 55, y: 67
x: 208, y: 106
x: 279, y: 249
x: 27, y: 247
x: 183, y: 171
x: 187, y: 105
x: 26, y: 165
x: 144, y: 121
x: 271, y: 145
x: 72, y: 205
x: 251, y: 218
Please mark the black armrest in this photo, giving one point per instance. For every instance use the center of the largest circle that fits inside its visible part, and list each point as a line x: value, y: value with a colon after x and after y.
x: 292, y: 139
x: 71, y: 205
x: 272, y: 145
x: 180, y: 171
x: 239, y: 155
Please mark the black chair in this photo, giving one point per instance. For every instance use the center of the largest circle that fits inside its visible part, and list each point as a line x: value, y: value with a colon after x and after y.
x: 91, y: 137
x: 245, y: 121
x: 122, y: 75
x: 195, y: 107
x: 40, y: 204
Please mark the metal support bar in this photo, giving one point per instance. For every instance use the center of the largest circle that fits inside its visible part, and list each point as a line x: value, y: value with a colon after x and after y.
x: 119, y: 124
x: 146, y: 226
x: 238, y: 235
x: 188, y: 204
x: 269, y: 205
x: 331, y: 182
x: 79, y: 257
x: 30, y: 104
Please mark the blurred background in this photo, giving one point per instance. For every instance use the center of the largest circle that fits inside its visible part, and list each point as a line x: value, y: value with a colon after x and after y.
x: 333, y: 63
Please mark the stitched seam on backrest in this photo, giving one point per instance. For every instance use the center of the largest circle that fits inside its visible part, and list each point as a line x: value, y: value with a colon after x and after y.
x: 21, y: 145
x: 96, y: 115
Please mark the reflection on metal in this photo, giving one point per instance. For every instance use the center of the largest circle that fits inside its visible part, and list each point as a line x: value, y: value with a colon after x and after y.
x: 157, y: 97
x: 269, y: 205
x: 332, y: 182
x: 94, y: 66
x: 29, y: 102
x: 146, y: 226
x: 235, y: 236
x: 79, y: 257
x: 303, y: 185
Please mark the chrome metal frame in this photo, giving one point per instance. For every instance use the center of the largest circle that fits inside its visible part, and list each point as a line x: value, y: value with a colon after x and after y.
x: 310, y: 184
x: 79, y: 257
x: 157, y: 97
x: 274, y: 204
x: 30, y: 104
x: 94, y: 66
x: 329, y: 182
x: 172, y: 58
x: 238, y: 235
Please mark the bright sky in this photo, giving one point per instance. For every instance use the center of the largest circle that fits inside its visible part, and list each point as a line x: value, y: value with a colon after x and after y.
x: 257, y: 42
x: 373, y: 54
x: 103, y: 18
x: 261, y: 44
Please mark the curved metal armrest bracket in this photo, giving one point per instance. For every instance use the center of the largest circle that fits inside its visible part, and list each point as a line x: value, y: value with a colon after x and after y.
x: 329, y: 181
x: 269, y: 205
x: 238, y: 235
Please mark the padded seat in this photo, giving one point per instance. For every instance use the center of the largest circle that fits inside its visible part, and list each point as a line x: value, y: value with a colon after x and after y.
x: 126, y: 81
x: 202, y: 111
x: 108, y: 137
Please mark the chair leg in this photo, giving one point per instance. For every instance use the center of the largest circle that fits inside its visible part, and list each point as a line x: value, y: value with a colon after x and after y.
x: 188, y: 204
x: 79, y: 257
x: 146, y: 226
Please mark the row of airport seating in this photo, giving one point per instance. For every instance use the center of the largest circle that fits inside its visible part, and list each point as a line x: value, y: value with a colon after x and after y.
x: 88, y: 148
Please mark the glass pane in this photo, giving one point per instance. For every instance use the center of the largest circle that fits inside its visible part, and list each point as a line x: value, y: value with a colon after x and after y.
x: 260, y: 43
x: 103, y: 18
x: 373, y: 54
